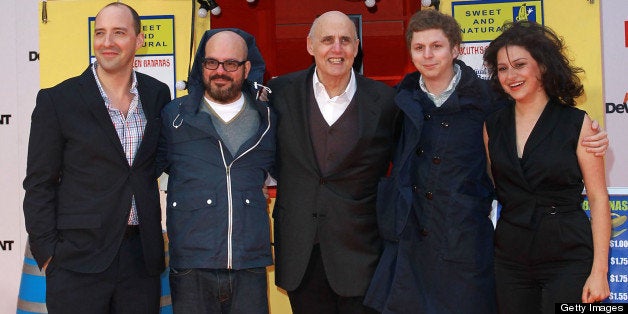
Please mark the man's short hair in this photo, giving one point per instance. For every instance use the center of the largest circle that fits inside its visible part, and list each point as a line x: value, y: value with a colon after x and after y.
x: 137, y: 23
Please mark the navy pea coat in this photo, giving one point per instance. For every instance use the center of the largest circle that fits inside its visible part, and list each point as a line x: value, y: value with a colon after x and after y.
x: 433, y: 211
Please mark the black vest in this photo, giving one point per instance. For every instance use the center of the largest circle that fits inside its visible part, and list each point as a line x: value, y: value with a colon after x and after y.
x: 332, y: 143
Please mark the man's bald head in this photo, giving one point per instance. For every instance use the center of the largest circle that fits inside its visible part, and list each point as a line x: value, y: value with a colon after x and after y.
x: 332, y: 17
x: 228, y: 40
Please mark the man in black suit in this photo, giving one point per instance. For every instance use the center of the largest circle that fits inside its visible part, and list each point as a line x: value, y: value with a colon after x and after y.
x: 335, y: 135
x: 92, y: 205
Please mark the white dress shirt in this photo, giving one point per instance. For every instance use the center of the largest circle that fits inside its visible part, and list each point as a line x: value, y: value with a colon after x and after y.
x: 333, y: 108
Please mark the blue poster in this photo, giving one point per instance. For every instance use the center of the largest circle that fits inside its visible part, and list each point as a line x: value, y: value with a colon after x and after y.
x: 524, y: 13
x: 618, y: 255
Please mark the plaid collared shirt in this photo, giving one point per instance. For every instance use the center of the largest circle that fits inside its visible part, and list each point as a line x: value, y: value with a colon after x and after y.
x: 130, y: 129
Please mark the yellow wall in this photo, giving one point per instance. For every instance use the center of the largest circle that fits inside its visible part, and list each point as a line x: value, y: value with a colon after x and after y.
x: 578, y: 21
x: 64, y: 51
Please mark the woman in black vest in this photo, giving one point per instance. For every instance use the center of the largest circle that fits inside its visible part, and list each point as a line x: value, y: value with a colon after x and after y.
x: 546, y: 249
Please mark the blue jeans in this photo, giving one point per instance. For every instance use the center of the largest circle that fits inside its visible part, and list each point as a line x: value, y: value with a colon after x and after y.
x: 202, y: 290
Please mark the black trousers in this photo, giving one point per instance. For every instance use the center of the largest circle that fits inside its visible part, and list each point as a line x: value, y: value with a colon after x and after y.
x: 536, y: 268
x: 124, y: 287
x: 315, y: 295
x: 535, y: 289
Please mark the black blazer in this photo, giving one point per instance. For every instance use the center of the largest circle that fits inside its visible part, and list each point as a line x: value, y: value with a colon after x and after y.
x: 79, y: 184
x: 341, y: 205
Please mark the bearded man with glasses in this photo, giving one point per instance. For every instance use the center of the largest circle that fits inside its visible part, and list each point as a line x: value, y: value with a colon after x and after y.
x: 218, y: 145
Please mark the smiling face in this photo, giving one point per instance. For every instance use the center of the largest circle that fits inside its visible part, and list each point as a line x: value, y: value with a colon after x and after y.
x: 432, y: 55
x: 333, y: 43
x: 115, y: 40
x: 519, y: 74
x: 222, y: 86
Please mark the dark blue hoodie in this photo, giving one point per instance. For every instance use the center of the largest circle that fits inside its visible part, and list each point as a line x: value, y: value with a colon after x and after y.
x: 216, y: 213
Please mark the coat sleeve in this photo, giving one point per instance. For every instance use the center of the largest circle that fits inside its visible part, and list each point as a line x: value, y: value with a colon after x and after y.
x: 43, y: 174
x: 161, y: 160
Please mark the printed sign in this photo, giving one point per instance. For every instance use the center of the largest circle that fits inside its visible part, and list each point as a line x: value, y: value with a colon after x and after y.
x: 482, y: 21
x: 618, y: 260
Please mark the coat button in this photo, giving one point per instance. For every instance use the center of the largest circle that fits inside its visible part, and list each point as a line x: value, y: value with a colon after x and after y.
x: 419, y: 151
x: 429, y: 195
x: 436, y: 160
x: 247, y: 201
x: 424, y: 232
x: 174, y: 204
x: 209, y: 202
x: 427, y: 116
x: 444, y: 124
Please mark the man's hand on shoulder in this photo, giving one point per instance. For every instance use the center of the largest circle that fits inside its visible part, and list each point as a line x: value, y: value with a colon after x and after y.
x: 597, y: 143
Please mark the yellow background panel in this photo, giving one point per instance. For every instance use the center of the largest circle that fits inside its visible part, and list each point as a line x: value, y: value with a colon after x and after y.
x: 578, y: 22
x: 483, y: 22
x: 64, y: 44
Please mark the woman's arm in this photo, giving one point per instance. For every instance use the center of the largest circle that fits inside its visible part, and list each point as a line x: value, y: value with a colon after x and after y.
x: 592, y: 167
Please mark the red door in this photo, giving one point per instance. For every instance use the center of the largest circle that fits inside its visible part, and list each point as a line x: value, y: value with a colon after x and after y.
x: 281, y: 26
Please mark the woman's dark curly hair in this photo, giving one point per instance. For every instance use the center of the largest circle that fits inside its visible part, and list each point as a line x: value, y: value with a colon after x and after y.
x: 560, y: 79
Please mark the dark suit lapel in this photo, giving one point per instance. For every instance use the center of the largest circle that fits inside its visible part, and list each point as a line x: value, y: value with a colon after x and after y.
x: 148, y: 99
x: 299, y: 116
x: 94, y: 101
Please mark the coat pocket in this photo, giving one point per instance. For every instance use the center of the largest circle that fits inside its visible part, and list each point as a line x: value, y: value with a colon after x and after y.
x: 192, y: 200
x: 393, y: 205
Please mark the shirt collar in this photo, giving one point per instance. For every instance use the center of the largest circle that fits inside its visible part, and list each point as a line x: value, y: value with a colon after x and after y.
x: 346, y: 96
x: 133, y: 88
x: 440, y: 99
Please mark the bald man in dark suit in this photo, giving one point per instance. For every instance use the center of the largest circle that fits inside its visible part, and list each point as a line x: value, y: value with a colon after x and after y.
x: 334, y: 141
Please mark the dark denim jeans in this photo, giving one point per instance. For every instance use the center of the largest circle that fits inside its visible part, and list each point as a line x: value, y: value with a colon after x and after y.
x: 201, y: 290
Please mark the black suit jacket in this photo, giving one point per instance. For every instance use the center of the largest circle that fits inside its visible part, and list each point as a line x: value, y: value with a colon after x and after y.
x: 79, y: 184
x: 339, y: 206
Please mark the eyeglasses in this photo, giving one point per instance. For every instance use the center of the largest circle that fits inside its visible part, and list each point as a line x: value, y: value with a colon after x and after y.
x: 228, y: 65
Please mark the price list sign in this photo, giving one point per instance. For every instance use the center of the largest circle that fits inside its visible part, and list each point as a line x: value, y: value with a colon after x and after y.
x: 618, y: 257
